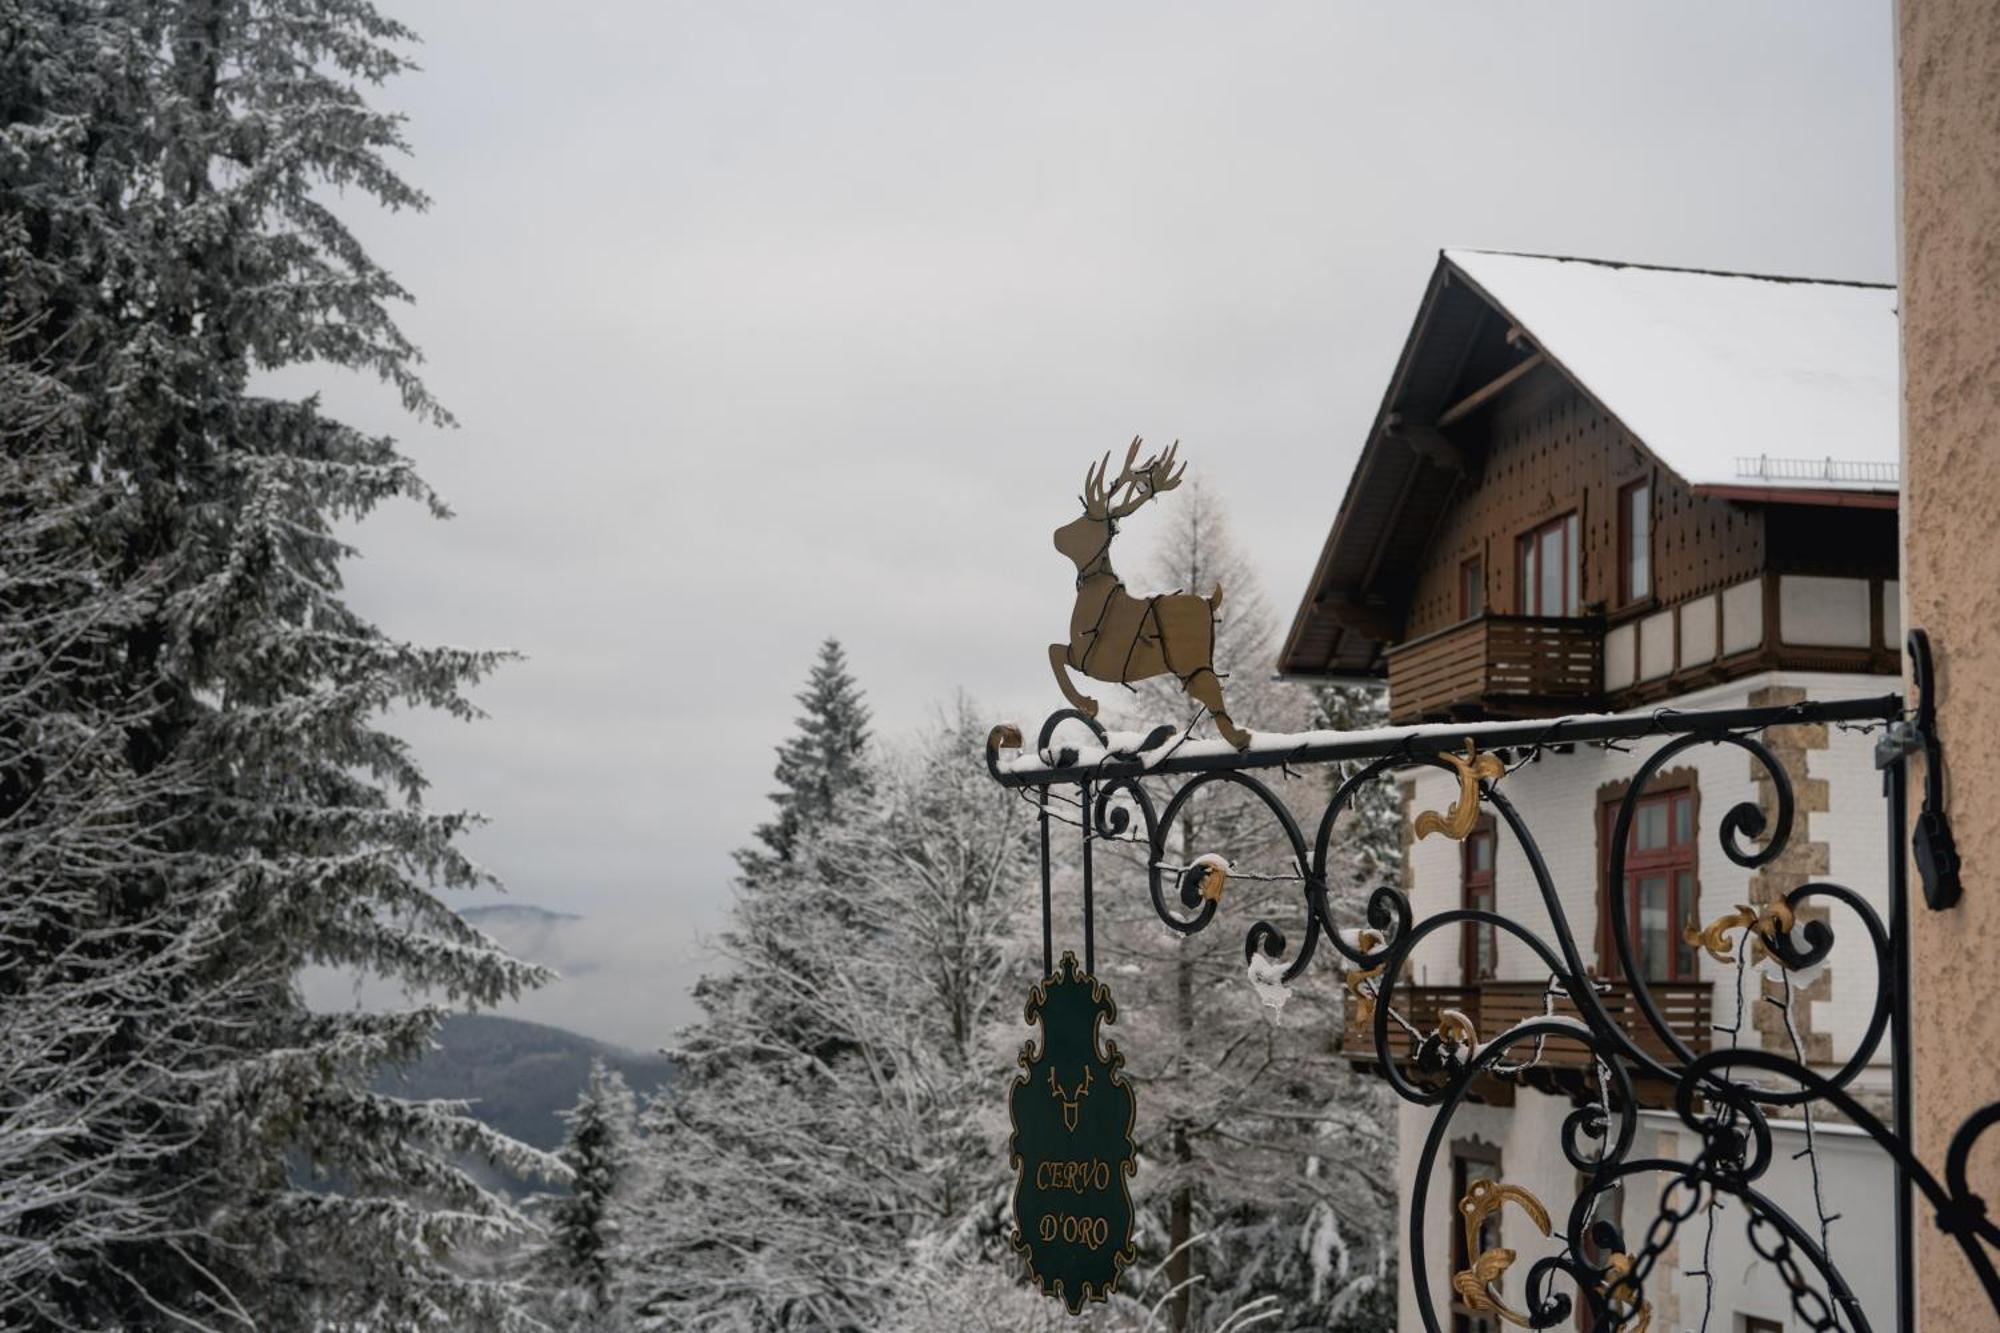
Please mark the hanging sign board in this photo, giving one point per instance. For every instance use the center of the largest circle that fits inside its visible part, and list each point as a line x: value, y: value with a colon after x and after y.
x: 1072, y: 1148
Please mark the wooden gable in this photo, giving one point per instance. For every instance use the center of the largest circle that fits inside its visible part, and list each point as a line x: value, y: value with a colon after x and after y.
x: 1483, y: 436
x: 1548, y: 450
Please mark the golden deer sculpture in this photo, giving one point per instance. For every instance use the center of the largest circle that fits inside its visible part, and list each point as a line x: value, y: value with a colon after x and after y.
x: 1119, y: 638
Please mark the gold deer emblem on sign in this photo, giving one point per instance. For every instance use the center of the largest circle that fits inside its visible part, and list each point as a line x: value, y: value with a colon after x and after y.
x: 1119, y: 638
x: 1072, y: 1103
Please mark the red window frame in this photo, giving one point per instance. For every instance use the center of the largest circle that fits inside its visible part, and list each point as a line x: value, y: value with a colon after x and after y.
x: 1659, y: 859
x: 1529, y: 550
x: 1479, y: 942
x: 1634, y: 582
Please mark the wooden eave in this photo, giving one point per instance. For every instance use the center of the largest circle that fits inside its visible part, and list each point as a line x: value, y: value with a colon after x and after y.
x: 1400, y: 487
x: 1829, y: 497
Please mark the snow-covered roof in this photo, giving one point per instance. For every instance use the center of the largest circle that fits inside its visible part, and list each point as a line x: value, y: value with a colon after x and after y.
x: 1730, y: 379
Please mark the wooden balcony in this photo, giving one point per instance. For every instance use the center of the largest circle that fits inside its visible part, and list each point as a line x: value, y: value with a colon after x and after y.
x: 1503, y: 666
x: 1495, y: 1006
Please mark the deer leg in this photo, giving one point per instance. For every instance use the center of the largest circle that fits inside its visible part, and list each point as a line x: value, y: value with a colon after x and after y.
x: 1059, y: 661
x: 1205, y: 688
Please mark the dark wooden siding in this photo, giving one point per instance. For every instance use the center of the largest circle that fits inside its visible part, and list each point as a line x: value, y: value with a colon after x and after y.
x: 1547, y: 450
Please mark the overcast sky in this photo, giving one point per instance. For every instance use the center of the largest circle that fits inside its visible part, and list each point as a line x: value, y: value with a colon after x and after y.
x: 765, y: 323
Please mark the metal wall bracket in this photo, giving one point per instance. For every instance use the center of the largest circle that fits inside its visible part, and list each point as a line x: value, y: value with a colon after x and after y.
x: 1931, y: 843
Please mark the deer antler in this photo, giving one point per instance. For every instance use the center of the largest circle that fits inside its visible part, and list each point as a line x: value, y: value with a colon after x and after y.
x: 1136, y: 482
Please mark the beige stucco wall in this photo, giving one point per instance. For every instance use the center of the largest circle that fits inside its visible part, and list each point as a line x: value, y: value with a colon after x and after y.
x: 1948, y: 74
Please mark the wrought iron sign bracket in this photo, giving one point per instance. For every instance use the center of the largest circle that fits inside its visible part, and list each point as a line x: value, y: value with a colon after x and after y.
x: 1132, y: 788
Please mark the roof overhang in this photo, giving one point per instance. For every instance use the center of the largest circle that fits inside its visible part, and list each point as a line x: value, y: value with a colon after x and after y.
x: 1402, y: 483
x: 1802, y: 495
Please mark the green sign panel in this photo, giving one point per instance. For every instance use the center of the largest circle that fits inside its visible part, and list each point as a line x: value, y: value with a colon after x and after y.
x: 1072, y: 1147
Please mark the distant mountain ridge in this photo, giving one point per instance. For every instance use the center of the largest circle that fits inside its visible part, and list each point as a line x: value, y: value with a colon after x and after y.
x: 520, y: 1076
x: 518, y: 914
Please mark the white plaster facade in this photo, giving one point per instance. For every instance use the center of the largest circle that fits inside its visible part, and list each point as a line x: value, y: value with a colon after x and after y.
x: 1558, y: 797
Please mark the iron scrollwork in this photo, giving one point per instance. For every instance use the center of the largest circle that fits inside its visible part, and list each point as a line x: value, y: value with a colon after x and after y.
x: 1725, y: 1098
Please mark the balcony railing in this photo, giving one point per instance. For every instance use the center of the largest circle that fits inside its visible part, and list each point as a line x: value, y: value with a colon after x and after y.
x: 1495, y: 1006
x: 1514, y: 666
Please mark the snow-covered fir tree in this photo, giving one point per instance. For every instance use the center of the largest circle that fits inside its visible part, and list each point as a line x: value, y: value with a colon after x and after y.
x: 168, y: 170
x: 1260, y: 1176
x: 822, y: 1153
x: 87, y: 940
x: 582, y: 1257
x: 749, y: 1068
x: 825, y: 761
x: 822, y: 773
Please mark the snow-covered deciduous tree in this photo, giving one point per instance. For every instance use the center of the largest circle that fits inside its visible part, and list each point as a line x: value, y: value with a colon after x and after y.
x: 167, y: 171
x: 583, y: 1256
x: 1260, y: 1148
x: 823, y: 1148
x: 1372, y: 845
x: 835, y: 1155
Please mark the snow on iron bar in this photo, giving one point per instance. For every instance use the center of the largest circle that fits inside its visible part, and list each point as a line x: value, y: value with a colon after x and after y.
x: 1121, y: 803
x: 1074, y: 737
x: 1089, y: 753
x: 1560, y: 1020
x: 1267, y: 978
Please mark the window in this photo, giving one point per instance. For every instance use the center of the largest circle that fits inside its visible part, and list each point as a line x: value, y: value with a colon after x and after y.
x: 1471, y: 588
x: 1478, y: 940
x: 1635, y: 541
x: 1659, y: 887
x: 1550, y: 585
x: 1470, y: 1161
x: 1752, y: 1324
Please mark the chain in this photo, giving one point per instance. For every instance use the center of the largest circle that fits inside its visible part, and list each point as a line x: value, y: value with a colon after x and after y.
x: 1667, y: 1222
x: 1807, y: 1303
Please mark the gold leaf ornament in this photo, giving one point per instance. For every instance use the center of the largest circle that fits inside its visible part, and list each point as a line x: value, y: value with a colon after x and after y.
x: 1767, y: 923
x: 1619, y: 1289
x: 1455, y: 1027
x: 1474, y: 1284
x: 1459, y: 819
x: 1361, y: 981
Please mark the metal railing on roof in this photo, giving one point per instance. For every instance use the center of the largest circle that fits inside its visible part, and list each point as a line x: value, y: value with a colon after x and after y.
x: 1766, y: 468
